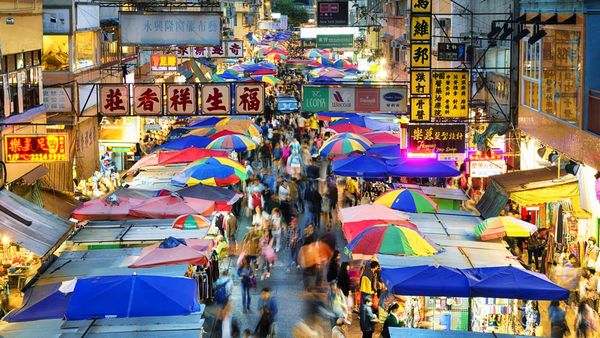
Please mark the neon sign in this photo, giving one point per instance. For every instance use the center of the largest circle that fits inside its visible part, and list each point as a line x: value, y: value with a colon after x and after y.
x: 36, y: 148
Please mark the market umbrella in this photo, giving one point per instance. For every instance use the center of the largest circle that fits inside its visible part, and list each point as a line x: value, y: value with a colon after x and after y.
x: 392, y: 239
x: 383, y: 137
x: 205, y: 122
x: 207, y: 192
x: 365, y: 122
x: 332, y: 73
x: 111, y: 208
x: 223, y: 132
x: 276, y: 57
x: 315, y: 253
x: 239, y: 143
x: 342, y: 146
x: 263, y: 71
x: 216, y: 171
x: 269, y: 79
x: 173, y: 157
x: 360, y: 166
x: 352, y: 136
x: 349, y: 128
x: 417, y: 167
x: 352, y: 229
x: 365, y: 215
x: 186, y: 142
x: 408, y: 201
x: 498, y: 227
x: 240, y: 126
x: 172, y: 206
x: 190, y: 222
x: 172, y: 251
x: 386, y: 152
x: 424, y: 280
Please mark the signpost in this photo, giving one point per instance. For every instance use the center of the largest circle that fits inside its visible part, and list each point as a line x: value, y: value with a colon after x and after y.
x: 385, y: 99
x: 36, y: 148
x: 335, y: 41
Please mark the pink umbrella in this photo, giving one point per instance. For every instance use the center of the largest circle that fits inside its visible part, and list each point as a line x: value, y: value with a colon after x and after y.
x: 104, y: 210
x: 332, y: 73
x: 383, y: 137
x: 172, y: 206
x: 350, y: 128
x: 172, y: 157
x: 195, y: 251
x: 371, y: 213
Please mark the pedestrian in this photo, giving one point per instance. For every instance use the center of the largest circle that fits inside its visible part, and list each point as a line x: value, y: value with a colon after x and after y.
x: 267, y: 306
x: 278, y: 227
x: 584, y: 320
x: 343, y: 282
x: 267, y: 256
x: 558, y: 320
x: 352, y: 191
x: 227, y: 325
x: 367, y: 317
x: 392, y: 320
x: 231, y: 222
x: 247, y: 275
x: 368, y: 281
x: 316, y: 208
x: 338, y: 330
x: 333, y: 268
x: 532, y: 317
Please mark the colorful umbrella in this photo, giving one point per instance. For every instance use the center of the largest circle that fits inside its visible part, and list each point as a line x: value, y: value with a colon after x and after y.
x: 421, y: 167
x: 205, y: 122
x: 383, y: 137
x: 215, y: 171
x: 349, y: 128
x: 351, y: 230
x: 498, y: 227
x: 263, y: 71
x: 342, y: 146
x: 269, y: 79
x: 315, y: 253
x: 190, y: 222
x: 113, y: 208
x: 408, y: 201
x: 392, y: 239
x: 365, y: 215
x: 174, y: 251
x: 239, y: 143
x: 186, y: 142
x: 276, y: 57
x: 223, y: 133
x: 365, y: 122
x: 350, y: 135
x: 360, y: 166
x: 172, y: 206
x: 173, y: 157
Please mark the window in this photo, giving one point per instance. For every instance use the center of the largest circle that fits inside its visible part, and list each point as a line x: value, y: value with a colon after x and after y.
x: 55, y: 55
x: 397, y: 54
x: 86, y: 45
x: 531, y: 74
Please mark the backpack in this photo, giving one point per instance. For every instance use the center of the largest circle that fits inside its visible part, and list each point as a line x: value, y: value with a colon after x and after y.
x: 221, y: 295
x: 219, y: 221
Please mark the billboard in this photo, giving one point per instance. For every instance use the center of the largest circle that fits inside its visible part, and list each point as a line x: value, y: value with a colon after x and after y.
x: 332, y: 13
x: 36, y: 148
x: 436, y: 138
x: 355, y: 98
x: 451, y: 51
x: 335, y: 41
x: 227, y: 49
x: 451, y: 94
x: 170, y: 28
x: 163, y: 62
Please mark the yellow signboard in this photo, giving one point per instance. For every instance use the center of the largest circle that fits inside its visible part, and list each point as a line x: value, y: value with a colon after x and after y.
x: 420, y: 27
x: 420, y: 82
x: 450, y: 93
x: 420, y: 55
x: 420, y: 109
x: 420, y: 6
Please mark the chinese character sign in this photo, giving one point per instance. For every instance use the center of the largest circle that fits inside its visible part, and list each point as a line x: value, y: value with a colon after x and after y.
x: 216, y: 99
x: 249, y: 98
x: 36, y: 148
x: 147, y: 99
x: 420, y: 109
x: 226, y: 49
x: 113, y: 100
x: 235, y: 49
x: 163, y: 62
x: 450, y: 94
x: 181, y: 100
x: 420, y: 6
x: 441, y: 139
x: 420, y: 28
x: 420, y: 82
x: 420, y: 55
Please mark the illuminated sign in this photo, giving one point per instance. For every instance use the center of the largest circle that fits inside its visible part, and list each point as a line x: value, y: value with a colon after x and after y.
x: 420, y: 82
x: 163, y: 62
x: 354, y: 98
x: 450, y: 93
x: 451, y: 51
x: 420, y: 109
x: 486, y: 164
x: 332, y: 13
x: 36, y: 148
x: 436, y: 138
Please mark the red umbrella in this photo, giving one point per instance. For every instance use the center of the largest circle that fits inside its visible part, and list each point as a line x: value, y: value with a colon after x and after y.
x: 103, y: 210
x: 195, y: 252
x: 264, y: 71
x: 383, y: 137
x: 350, y: 128
x: 222, y: 133
x: 178, y: 156
x: 172, y: 206
x: 355, y: 219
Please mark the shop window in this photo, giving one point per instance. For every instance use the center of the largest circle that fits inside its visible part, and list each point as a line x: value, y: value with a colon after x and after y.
x: 11, y: 63
x: 31, y: 88
x: 86, y: 54
x: 2, y: 96
x: 13, y: 92
x: 531, y: 76
x: 55, y: 54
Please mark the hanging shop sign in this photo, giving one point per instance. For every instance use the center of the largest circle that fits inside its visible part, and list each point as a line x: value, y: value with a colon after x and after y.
x: 451, y: 51
x: 335, y: 41
x: 58, y: 100
x: 181, y: 100
x: 148, y: 99
x: 420, y: 6
x: 332, y: 13
x: 227, y: 49
x: 113, y: 99
x: 420, y: 109
x: 486, y: 164
x: 249, y: 98
x: 36, y: 148
x: 450, y: 94
x: 420, y: 60
x: 420, y: 55
x: 420, y: 27
x: 355, y: 98
x: 420, y: 82
x: 436, y: 138
x: 163, y: 62
x: 170, y: 28
x: 216, y: 99
x: 124, y: 129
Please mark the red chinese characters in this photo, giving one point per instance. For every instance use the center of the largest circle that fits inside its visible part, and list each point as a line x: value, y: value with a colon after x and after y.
x: 216, y: 99
x: 235, y: 49
x: 181, y: 99
x: 36, y: 148
x: 249, y: 98
x: 114, y: 100
x: 200, y: 52
x: 147, y: 99
x: 217, y: 51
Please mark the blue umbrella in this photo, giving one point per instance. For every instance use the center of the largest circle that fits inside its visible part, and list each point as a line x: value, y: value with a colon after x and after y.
x: 186, y: 142
x: 421, y: 167
x: 177, y: 133
x: 207, y: 122
x: 424, y: 280
x: 229, y: 76
x: 360, y: 166
x: 386, y: 152
x: 322, y: 79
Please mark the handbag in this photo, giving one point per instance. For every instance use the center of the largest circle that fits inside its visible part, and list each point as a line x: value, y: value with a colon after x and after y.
x: 375, y: 305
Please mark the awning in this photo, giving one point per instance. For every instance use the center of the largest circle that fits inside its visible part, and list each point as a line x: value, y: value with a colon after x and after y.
x: 25, y: 117
x: 14, y: 171
x: 529, y: 187
x: 29, y: 225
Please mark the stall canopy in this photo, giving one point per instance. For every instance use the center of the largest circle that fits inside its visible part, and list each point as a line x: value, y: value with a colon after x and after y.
x: 210, y: 193
x: 424, y: 280
x: 529, y: 187
x: 41, y: 302
x: 29, y: 225
x: 415, y: 167
x: 360, y: 166
x: 174, y: 251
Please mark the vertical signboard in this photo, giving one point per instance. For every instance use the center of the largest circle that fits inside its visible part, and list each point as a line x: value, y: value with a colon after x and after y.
x: 249, y: 98
x: 113, y: 99
x: 451, y: 94
x: 420, y: 109
x: 420, y: 60
x: 216, y: 99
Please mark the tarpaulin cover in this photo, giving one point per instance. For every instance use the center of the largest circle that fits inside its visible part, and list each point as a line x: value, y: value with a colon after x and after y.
x: 132, y: 296
x: 426, y: 280
x: 421, y: 168
x: 172, y: 207
x: 41, y: 302
x: 103, y: 210
x: 174, y: 251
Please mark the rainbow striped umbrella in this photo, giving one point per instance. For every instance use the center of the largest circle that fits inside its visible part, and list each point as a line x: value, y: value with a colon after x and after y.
x: 407, y: 200
x: 353, y: 136
x: 498, y: 227
x: 214, y: 171
x: 392, y: 239
x: 239, y: 143
x: 341, y: 146
x: 190, y: 222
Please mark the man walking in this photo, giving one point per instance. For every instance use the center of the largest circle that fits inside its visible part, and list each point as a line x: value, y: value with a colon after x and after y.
x: 367, y: 318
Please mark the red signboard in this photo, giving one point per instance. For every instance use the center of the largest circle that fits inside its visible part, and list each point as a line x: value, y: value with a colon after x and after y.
x: 148, y: 99
x: 249, y: 98
x: 114, y: 100
x: 216, y: 99
x: 36, y: 148
x: 366, y: 98
x: 181, y: 99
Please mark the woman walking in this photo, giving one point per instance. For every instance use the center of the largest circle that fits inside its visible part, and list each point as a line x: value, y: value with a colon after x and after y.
x: 247, y: 277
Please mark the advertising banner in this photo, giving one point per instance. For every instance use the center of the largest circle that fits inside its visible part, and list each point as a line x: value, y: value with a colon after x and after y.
x: 36, y: 148
x: 335, y: 41
x: 58, y: 100
x: 436, y: 138
x: 163, y: 62
x: 170, y: 28
x: 450, y: 94
x: 355, y: 98
x: 332, y: 13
